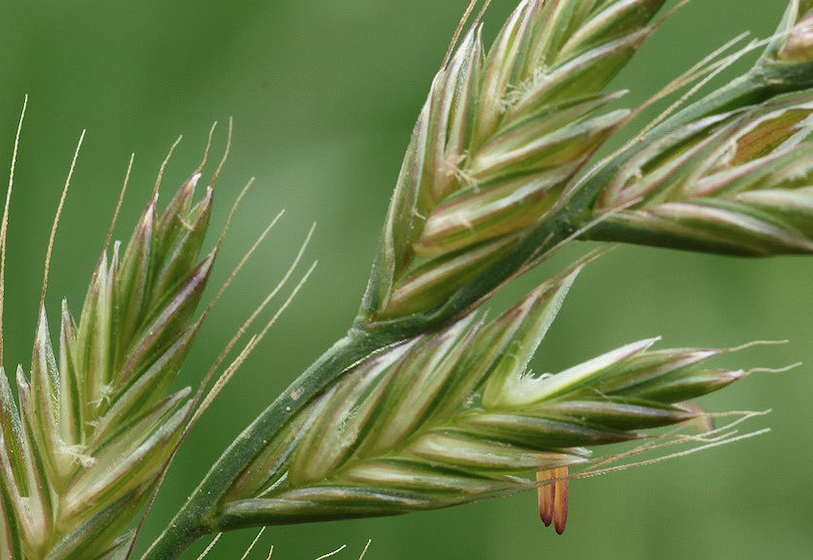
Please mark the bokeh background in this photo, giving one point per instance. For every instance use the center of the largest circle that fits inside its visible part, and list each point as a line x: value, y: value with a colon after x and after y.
x: 323, y: 95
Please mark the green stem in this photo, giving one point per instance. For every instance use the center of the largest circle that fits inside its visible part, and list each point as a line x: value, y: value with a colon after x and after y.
x: 195, y: 519
x: 198, y: 515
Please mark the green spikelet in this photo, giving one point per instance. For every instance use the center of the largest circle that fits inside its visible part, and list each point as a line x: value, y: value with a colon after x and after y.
x: 498, y: 139
x: 445, y: 418
x: 732, y: 183
x: 95, y: 428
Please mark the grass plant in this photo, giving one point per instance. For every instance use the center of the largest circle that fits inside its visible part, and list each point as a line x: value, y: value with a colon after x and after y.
x: 428, y: 401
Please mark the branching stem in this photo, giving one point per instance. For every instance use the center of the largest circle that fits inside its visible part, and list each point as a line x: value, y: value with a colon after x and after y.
x: 198, y: 516
x: 195, y: 520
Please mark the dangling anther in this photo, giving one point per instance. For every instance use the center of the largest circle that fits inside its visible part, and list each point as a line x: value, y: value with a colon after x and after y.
x: 553, y: 497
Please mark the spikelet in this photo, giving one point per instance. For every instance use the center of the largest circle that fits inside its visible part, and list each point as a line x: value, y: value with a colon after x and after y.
x: 497, y: 141
x: 733, y: 175
x: 448, y: 417
x: 96, y: 424
x: 733, y: 183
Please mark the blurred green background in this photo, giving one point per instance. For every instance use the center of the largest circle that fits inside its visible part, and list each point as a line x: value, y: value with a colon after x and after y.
x: 323, y: 95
